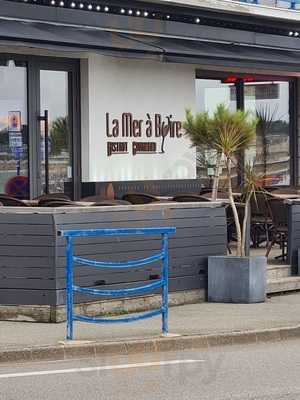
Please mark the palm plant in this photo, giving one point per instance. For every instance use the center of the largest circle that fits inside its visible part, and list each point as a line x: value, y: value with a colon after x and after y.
x: 265, y: 121
x: 59, y: 135
x: 228, y: 134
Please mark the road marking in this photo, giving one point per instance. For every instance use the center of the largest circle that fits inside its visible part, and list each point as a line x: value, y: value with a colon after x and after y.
x: 100, y: 368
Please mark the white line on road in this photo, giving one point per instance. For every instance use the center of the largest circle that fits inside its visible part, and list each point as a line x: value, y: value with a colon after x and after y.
x: 100, y: 368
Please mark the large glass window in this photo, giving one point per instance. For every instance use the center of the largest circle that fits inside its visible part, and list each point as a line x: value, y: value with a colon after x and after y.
x: 269, y: 102
x: 266, y: 100
x: 209, y: 94
x: 13, y: 130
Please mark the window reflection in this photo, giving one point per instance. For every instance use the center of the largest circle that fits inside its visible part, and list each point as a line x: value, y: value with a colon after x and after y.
x: 13, y: 130
x: 269, y: 102
x: 209, y: 94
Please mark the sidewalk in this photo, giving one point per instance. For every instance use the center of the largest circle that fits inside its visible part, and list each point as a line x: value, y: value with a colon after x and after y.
x: 192, y: 323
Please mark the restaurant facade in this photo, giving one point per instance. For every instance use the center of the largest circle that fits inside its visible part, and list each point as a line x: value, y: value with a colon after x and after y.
x: 93, y: 95
x: 92, y: 101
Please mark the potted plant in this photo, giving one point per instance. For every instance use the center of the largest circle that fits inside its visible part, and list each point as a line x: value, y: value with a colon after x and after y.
x: 239, y: 278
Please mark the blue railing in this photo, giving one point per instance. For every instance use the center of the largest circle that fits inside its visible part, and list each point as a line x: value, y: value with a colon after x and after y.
x: 291, y: 4
x: 162, y: 283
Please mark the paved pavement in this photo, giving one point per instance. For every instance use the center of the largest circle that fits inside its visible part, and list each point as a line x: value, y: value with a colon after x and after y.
x: 196, y: 319
x: 253, y: 372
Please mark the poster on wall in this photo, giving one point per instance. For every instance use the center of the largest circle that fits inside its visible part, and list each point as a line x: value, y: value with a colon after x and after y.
x: 15, y: 130
x: 14, y: 121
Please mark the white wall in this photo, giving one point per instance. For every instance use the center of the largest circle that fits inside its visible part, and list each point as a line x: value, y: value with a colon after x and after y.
x: 115, y: 86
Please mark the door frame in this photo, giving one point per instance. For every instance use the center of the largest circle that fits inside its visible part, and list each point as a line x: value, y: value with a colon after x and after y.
x: 34, y: 65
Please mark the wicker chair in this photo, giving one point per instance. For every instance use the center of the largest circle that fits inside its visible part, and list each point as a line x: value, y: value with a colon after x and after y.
x: 11, y: 201
x: 287, y: 190
x: 111, y: 203
x: 261, y: 218
x: 140, y: 198
x: 45, y: 198
x: 280, y: 222
x: 99, y: 199
x: 59, y: 203
x: 220, y: 195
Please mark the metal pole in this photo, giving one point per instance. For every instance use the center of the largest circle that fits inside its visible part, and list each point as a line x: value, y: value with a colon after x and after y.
x: 165, y: 302
x: 46, y: 153
x: 69, y: 288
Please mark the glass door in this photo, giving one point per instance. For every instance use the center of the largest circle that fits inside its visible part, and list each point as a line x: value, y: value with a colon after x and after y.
x: 58, y: 141
x: 55, y: 132
x: 13, y: 129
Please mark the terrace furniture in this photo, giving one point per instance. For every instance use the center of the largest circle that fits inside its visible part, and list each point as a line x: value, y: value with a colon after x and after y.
x: 140, y: 198
x: 52, y: 195
x: 44, y: 199
x: 111, y: 203
x: 286, y: 190
x: 220, y: 195
x: 261, y: 218
x: 279, y: 212
x: 60, y: 203
x: 99, y: 199
x: 189, y: 197
x: 205, y: 191
x: 11, y: 201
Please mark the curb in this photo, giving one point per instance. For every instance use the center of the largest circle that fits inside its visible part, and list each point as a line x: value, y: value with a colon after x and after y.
x: 81, y: 349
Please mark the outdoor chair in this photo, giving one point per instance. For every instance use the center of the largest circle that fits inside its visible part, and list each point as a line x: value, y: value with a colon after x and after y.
x: 261, y: 218
x: 11, y: 201
x: 42, y: 202
x: 205, y: 191
x: 220, y: 195
x: 189, y: 197
x: 51, y: 196
x: 60, y: 203
x: 111, y: 203
x: 99, y: 199
x: 286, y: 190
x: 279, y: 212
x: 140, y: 198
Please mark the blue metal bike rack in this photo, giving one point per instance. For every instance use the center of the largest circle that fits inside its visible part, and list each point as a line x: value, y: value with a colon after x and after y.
x: 163, y: 255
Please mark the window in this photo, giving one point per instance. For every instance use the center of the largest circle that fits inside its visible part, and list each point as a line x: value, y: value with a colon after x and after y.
x: 270, y: 153
x: 209, y: 94
x: 268, y: 101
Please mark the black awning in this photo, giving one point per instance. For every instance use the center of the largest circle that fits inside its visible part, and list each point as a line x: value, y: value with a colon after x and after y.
x: 231, y: 54
x: 69, y: 38
x: 181, y: 50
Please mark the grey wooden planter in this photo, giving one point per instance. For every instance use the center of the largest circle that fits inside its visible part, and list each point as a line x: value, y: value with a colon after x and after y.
x: 236, y: 279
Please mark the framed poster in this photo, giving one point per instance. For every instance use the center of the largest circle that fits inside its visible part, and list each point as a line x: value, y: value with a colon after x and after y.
x: 14, y: 121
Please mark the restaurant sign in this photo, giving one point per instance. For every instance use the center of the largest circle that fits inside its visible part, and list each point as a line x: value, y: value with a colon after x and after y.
x: 155, y: 129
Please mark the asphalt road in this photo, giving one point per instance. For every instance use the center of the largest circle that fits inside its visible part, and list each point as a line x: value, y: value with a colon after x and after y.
x: 263, y: 372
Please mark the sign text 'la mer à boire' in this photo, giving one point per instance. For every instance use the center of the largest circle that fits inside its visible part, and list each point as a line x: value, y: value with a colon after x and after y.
x: 129, y: 127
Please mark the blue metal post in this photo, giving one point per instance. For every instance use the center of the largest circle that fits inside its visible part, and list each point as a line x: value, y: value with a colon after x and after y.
x: 165, y: 290
x: 69, y: 288
x: 293, y: 4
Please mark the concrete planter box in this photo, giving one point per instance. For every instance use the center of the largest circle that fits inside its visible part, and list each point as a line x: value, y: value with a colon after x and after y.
x: 236, y: 279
